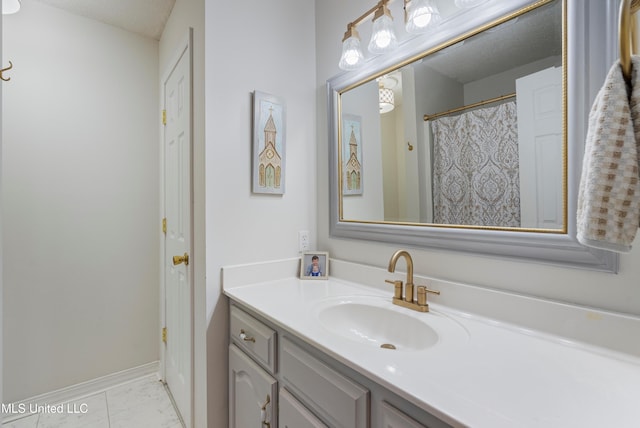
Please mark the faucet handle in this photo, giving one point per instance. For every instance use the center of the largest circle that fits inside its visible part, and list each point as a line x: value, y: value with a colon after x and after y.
x: 422, y: 294
x: 428, y: 290
x: 397, y: 287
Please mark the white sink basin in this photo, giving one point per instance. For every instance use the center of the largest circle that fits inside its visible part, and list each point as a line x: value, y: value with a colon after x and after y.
x: 376, y: 321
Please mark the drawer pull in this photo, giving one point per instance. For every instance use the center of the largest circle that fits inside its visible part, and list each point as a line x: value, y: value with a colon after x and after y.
x: 246, y: 338
x: 263, y: 412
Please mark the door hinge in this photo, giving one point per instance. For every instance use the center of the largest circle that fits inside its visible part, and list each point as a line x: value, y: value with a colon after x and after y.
x: 164, y: 334
x: 164, y: 117
x: 164, y: 225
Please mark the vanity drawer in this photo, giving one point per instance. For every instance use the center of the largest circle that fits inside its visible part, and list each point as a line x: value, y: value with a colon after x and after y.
x: 337, y: 399
x: 254, y: 337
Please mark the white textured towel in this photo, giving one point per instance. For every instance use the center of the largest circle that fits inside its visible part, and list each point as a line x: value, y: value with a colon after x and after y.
x: 609, y: 198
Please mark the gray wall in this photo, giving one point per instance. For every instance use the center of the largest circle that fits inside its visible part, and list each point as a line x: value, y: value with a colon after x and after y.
x: 269, y: 47
x: 80, y: 195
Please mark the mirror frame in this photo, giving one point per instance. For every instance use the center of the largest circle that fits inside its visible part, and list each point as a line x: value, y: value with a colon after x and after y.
x: 590, y: 52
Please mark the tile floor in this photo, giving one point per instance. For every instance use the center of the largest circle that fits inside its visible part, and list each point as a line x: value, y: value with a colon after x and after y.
x: 142, y: 403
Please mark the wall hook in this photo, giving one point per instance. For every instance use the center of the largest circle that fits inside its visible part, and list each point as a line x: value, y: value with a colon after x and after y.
x: 409, y: 146
x: 5, y: 69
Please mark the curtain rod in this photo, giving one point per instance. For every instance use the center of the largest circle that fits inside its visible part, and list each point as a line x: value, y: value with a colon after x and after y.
x: 454, y: 110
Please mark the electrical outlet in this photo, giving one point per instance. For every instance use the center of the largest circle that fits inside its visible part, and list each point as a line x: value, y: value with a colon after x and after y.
x: 303, y: 240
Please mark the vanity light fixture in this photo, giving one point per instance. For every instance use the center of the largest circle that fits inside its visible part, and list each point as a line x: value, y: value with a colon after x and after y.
x: 10, y: 6
x: 420, y: 15
x: 383, y: 37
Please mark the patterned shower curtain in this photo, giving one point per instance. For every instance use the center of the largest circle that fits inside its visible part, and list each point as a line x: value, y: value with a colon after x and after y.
x: 475, y: 168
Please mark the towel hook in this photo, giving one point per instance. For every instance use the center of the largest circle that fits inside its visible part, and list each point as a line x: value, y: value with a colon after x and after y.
x: 5, y: 69
x: 626, y: 32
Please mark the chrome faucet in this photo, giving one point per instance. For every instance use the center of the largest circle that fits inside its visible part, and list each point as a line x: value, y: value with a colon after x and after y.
x: 408, y: 302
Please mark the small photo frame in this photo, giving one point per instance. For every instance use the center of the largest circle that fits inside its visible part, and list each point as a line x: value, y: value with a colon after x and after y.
x: 314, y: 265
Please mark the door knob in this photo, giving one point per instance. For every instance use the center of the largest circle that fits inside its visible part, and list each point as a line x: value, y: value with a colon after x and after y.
x: 181, y: 259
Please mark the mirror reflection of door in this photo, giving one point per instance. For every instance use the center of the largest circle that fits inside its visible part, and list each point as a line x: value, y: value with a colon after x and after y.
x: 540, y: 143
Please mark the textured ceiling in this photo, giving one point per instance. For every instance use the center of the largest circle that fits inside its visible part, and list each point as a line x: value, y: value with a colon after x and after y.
x: 529, y: 38
x: 146, y: 17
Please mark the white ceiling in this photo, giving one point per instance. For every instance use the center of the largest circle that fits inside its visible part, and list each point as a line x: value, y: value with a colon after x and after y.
x: 145, y: 17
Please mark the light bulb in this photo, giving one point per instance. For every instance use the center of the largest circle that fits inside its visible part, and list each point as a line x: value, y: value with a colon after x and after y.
x: 352, y: 56
x: 421, y: 16
x: 383, y: 37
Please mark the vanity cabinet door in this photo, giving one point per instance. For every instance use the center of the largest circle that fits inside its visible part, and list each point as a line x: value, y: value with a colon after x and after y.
x: 293, y: 414
x: 335, y: 398
x: 394, y: 418
x: 252, y: 393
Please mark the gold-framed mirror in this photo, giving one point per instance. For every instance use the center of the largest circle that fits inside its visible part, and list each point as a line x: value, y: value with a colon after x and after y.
x: 544, y: 232
x: 440, y: 143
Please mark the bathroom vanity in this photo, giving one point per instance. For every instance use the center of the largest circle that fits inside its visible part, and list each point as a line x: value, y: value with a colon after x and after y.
x: 310, y: 354
x: 306, y: 383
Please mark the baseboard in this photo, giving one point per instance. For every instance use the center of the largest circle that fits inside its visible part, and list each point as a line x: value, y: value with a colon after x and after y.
x: 85, y: 389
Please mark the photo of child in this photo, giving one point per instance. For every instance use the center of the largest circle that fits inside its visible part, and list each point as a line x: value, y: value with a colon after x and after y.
x: 314, y: 268
x: 314, y: 265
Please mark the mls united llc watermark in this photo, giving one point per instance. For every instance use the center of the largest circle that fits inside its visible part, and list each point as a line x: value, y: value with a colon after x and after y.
x: 23, y: 408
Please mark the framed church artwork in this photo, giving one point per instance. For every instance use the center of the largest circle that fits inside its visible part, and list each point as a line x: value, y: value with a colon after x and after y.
x: 268, y: 143
x: 351, y: 155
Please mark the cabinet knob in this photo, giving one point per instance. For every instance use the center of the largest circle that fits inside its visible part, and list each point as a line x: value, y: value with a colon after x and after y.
x: 246, y: 338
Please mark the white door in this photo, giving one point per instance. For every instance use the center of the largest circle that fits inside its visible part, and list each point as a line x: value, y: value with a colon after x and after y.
x: 539, y: 100
x: 178, y: 277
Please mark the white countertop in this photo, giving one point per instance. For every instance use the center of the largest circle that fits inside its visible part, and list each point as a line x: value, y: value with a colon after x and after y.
x: 491, y: 374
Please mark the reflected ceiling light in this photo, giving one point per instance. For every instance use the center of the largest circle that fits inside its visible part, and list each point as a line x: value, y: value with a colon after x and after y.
x: 10, y: 6
x: 466, y: 4
x: 383, y: 36
x: 352, y: 56
x: 386, y: 98
x: 420, y: 15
